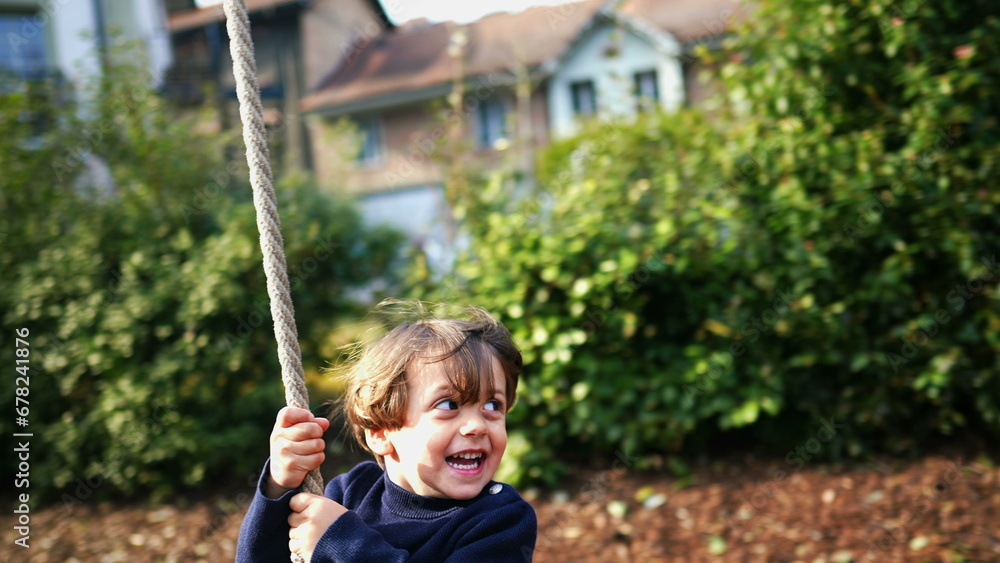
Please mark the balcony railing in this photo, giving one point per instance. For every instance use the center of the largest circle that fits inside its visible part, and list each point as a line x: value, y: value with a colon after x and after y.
x: 185, y: 84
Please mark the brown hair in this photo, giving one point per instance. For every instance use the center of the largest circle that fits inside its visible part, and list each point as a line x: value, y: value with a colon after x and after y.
x: 376, y: 382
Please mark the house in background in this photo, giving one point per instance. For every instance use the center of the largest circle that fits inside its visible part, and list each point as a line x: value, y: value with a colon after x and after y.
x: 62, y: 46
x: 64, y: 40
x: 518, y: 80
x: 394, y: 86
x: 618, y: 66
x: 525, y: 78
x: 394, y: 89
x: 296, y: 44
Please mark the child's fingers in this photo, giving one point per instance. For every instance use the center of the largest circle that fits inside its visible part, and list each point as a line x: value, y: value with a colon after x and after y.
x: 289, y: 416
x: 289, y: 471
x: 296, y: 519
x: 297, y: 446
x: 301, y: 502
x: 300, y: 432
x: 301, y: 448
x: 294, y: 546
x: 323, y: 423
x: 289, y: 464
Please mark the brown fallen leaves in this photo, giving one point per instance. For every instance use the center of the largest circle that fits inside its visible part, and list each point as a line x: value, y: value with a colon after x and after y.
x: 936, y: 510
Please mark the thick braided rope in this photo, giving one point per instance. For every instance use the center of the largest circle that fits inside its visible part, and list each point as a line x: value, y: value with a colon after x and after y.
x: 268, y: 223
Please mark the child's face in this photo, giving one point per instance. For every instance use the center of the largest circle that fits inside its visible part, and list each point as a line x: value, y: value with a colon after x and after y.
x: 423, y: 457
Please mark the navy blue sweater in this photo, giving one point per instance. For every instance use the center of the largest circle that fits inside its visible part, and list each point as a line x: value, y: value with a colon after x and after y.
x: 388, y: 523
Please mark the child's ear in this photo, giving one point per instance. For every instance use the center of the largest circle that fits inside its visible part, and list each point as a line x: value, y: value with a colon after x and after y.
x: 379, y: 442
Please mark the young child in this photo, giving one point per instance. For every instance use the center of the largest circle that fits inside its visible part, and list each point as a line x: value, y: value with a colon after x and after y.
x: 429, y: 400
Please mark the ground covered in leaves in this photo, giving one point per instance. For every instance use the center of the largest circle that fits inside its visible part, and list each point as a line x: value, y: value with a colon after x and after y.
x: 940, y: 508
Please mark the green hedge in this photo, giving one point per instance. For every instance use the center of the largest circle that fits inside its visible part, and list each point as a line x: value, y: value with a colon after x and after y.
x: 810, y: 250
x: 153, y: 364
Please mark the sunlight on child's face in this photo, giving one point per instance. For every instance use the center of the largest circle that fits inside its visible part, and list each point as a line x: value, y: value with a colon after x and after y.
x: 446, y: 449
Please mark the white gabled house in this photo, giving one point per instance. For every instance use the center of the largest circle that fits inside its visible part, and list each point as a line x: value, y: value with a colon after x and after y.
x: 617, y: 67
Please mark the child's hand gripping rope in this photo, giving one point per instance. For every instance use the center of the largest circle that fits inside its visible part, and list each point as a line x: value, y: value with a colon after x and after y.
x: 311, y: 516
x: 296, y: 448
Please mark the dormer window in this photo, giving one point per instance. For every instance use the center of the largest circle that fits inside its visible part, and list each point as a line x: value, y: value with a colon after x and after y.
x: 584, y: 98
x: 647, y: 92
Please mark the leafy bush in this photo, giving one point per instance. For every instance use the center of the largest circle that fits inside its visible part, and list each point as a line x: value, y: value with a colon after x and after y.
x: 153, y: 364
x: 821, y: 248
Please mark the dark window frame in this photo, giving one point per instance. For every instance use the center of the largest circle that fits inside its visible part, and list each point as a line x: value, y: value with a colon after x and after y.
x: 577, y: 89
x: 371, y: 150
x: 40, y: 64
x: 646, y: 101
x: 491, y: 122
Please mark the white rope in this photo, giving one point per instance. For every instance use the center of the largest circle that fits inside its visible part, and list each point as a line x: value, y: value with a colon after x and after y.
x: 271, y: 244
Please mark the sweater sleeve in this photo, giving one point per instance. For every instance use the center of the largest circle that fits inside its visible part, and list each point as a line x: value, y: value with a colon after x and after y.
x: 349, y: 539
x: 264, y: 532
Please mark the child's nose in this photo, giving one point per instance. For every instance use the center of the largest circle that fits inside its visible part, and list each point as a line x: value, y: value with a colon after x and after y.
x: 473, y: 425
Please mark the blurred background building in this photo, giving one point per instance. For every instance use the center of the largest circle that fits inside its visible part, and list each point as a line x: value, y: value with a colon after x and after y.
x: 526, y: 78
x: 296, y: 43
x: 65, y: 40
x: 523, y: 79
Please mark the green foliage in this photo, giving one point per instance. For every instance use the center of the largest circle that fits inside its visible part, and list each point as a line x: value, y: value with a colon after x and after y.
x: 153, y: 364
x: 814, y: 250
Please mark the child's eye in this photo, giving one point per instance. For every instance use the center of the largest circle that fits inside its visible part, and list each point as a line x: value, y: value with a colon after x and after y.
x: 447, y: 404
x: 494, y: 405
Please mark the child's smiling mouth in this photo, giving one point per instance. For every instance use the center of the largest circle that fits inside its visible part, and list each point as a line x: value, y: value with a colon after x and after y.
x: 467, y: 462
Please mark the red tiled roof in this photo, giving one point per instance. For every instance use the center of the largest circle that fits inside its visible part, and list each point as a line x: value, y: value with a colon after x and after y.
x: 203, y: 16
x: 688, y: 20
x: 415, y: 56
x: 193, y: 19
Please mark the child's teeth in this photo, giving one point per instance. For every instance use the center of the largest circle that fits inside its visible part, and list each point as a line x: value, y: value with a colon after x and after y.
x: 474, y: 458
